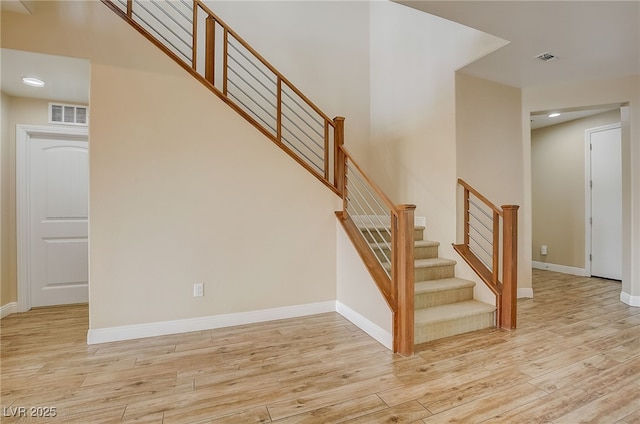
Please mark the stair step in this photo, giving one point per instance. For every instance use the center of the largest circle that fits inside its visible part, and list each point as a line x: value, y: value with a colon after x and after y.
x: 448, y: 320
x: 434, y: 269
x: 374, y: 233
x: 423, y: 249
x: 429, y: 294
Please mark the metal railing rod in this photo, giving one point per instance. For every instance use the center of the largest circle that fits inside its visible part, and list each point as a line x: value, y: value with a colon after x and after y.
x: 318, y: 133
x: 247, y: 107
x: 177, y: 49
x: 368, y: 231
x: 308, y: 148
x: 481, y: 235
x: 373, y: 224
x: 155, y: 3
x: 251, y: 62
x: 272, y: 104
x: 380, y: 223
x: 141, y: 4
x: 488, y: 215
x: 189, y: 8
x: 272, y: 92
x: 303, y: 109
x: 303, y: 144
x: 372, y: 195
x: 479, y: 256
x: 479, y: 221
x: 380, y: 209
x: 482, y: 247
x: 302, y: 131
x: 309, y: 161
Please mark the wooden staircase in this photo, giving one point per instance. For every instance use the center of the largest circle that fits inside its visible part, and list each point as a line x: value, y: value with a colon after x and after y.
x: 443, y: 304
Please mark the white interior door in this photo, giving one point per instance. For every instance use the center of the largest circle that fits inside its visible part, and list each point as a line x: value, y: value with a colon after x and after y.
x: 606, y: 202
x: 58, y: 221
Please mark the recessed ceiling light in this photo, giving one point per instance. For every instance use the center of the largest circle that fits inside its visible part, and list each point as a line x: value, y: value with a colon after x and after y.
x: 33, y: 82
x: 553, y: 115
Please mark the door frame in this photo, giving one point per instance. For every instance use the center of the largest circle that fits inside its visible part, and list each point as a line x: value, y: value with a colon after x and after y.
x: 587, y: 185
x: 24, y: 133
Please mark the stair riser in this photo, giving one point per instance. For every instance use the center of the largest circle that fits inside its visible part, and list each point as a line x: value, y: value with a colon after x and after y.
x: 445, y: 297
x: 418, y: 253
x: 429, y: 332
x: 378, y: 237
x: 434, y: 273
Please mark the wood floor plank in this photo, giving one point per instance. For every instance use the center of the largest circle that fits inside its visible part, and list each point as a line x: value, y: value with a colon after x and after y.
x: 575, y: 357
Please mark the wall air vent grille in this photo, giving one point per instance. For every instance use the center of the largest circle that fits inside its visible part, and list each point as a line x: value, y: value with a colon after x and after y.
x: 546, y: 57
x: 68, y: 114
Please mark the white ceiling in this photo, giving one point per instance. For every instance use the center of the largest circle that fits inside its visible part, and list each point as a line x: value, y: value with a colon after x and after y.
x: 592, y: 39
x: 67, y: 79
x: 541, y: 120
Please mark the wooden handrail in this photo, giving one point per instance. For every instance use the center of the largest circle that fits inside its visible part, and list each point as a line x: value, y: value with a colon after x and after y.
x: 480, y: 197
x: 505, y: 290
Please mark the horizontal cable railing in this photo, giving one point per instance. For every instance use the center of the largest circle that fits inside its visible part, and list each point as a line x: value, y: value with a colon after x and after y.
x: 383, y: 233
x: 490, y: 239
x: 202, y: 43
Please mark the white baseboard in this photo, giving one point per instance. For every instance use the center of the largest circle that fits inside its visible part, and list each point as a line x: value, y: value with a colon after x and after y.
x: 374, y: 330
x: 526, y: 293
x: 8, y: 309
x: 630, y: 300
x: 559, y: 268
x: 137, y: 331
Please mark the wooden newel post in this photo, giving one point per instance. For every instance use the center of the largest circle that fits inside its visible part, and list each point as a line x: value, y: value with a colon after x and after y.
x: 210, y: 43
x: 403, y: 276
x: 509, y: 266
x: 338, y: 155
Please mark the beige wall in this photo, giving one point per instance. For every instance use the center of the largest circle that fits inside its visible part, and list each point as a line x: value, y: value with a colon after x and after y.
x: 412, y: 151
x: 177, y: 199
x: 489, y: 153
x: 558, y: 189
x: 624, y: 90
x: 25, y: 111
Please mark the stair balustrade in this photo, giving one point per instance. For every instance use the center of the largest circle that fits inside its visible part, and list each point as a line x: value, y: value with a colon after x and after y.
x: 491, y: 238
x: 213, y: 53
x: 383, y: 234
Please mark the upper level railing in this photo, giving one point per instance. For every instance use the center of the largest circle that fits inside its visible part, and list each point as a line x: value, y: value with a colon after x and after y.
x: 199, y: 41
x: 215, y: 54
x: 383, y: 233
x: 490, y: 238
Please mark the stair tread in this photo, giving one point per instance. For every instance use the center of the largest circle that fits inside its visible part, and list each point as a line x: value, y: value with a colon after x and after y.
x: 431, y: 262
x: 417, y: 243
x: 432, y: 286
x: 452, y: 311
x: 427, y: 263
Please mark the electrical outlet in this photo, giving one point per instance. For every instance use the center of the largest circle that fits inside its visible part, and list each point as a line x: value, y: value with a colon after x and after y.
x: 198, y: 290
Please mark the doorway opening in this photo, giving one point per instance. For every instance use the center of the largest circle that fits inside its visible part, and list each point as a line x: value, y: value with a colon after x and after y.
x: 561, y: 215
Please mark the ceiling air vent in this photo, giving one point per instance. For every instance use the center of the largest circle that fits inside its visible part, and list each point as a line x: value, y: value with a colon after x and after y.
x: 68, y: 114
x: 546, y: 57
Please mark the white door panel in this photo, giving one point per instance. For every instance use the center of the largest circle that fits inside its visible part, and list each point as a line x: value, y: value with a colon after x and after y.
x: 606, y: 203
x: 58, y: 194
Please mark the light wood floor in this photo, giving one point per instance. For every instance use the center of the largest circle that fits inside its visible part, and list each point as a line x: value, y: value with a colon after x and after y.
x: 574, y: 358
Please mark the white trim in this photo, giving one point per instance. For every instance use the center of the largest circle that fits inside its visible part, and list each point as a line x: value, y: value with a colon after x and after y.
x: 8, y: 309
x: 560, y: 268
x: 587, y: 190
x: 137, y: 331
x: 374, y: 330
x: 525, y: 293
x: 630, y: 300
x: 23, y: 134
